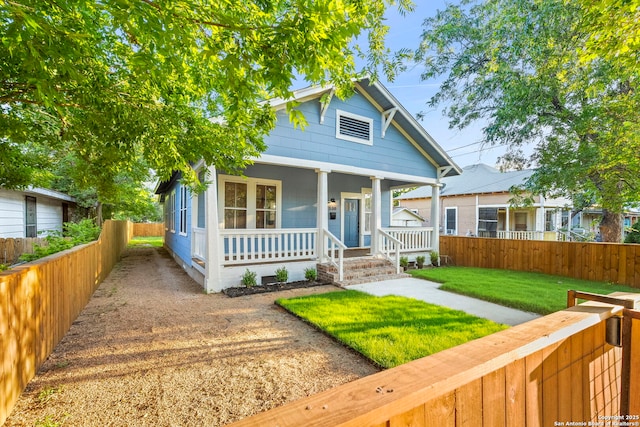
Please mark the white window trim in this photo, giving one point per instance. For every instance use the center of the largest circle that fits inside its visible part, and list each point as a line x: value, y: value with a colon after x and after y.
x: 340, y: 113
x: 455, y: 230
x: 251, y: 198
x: 184, y: 199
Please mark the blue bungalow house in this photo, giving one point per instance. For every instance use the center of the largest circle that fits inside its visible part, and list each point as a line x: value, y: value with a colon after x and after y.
x: 312, y: 196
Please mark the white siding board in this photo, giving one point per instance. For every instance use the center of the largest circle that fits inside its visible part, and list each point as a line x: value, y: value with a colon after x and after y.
x: 12, y: 207
x: 49, y: 215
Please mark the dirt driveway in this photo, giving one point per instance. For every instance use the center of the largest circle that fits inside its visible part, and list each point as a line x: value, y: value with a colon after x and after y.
x: 151, y: 349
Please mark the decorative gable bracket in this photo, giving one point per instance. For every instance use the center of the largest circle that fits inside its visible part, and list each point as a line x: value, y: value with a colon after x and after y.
x: 325, y: 100
x: 442, y: 172
x: 387, y: 116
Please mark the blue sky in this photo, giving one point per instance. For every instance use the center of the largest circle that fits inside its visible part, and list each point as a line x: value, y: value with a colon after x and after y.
x: 413, y: 93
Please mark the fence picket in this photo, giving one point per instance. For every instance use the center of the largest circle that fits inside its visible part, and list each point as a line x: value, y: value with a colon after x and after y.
x: 610, y: 262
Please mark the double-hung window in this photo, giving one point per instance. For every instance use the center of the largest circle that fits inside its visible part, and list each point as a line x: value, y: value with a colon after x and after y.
x: 184, y: 199
x: 250, y: 203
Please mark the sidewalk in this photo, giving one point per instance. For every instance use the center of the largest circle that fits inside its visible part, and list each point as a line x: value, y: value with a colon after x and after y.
x: 428, y: 291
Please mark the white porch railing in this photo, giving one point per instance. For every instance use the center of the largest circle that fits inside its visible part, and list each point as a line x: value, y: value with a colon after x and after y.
x: 416, y: 239
x: 520, y: 235
x: 260, y: 245
x: 335, y: 252
x: 199, y: 250
x: 388, y: 245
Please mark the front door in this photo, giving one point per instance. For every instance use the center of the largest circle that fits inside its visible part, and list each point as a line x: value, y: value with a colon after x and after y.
x: 352, y: 223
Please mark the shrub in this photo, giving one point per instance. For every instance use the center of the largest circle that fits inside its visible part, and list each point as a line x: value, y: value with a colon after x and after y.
x: 310, y: 274
x: 282, y: 275
x: 634, y: 235
x: 79, y: 233
x: 434, y: 255
x: 404, y: 261
x: 3, y: 267
x: 82, y: 232
x: 249, y: 278
x: 420, y: 260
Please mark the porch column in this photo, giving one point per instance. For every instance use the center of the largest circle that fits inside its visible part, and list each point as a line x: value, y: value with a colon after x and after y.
x: 435, y: 217
x: 506, y: 225
x: 376, y: 214
x: 213, y: 265
x: 322, y: 212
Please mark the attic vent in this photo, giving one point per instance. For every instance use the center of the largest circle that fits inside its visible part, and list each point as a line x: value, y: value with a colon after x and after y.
x: 352, y: 127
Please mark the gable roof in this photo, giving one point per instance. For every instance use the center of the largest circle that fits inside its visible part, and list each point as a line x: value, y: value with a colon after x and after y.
x: 480, y: 178
x: 400, y: 210
x: 387, y: 104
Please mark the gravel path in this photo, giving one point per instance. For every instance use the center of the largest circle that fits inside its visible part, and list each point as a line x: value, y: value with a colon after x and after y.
x: 151, y: 349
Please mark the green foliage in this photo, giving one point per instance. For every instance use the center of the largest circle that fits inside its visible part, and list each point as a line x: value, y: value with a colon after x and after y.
x: 634, y: 234
x: 404, y: 261
x: 3, y: 267
x: 389, y: 330
x: 434, y: 256
x: 282, y: 275
x: 121, y: 86
x: 420, y: 260
x: 54, y: 243
x: 310, y: 274
x: 522, y: 67
x: 249, y: 278
x: 79, y: 233
x: 51, y: 421
x: 489, y: 285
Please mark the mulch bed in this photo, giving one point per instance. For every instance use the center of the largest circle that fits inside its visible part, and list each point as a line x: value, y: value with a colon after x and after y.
x: 270, y: 287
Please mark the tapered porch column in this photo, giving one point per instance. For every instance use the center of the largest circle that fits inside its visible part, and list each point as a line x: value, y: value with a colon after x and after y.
x: 322, y: 212
x: 435, y: 217
x: 213, y: 265
x: 376, y: 214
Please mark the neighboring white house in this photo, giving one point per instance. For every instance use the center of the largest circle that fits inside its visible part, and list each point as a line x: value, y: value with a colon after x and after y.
x: 33, y: 212
x: 403, y: 217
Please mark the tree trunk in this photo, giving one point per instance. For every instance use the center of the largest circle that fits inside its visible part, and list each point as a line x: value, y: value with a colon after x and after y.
x: 611, y: 227
x: 99, y: 214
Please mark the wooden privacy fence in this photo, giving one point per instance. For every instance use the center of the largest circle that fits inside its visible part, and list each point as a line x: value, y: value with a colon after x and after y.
x: 604, y: 262
x: 551, y: 370
x: 40, y: 300
x: 151, y: 229
x: 11, y: 249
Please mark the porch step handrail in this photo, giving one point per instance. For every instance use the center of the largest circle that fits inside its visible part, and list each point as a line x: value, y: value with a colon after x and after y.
x: 334, y: 244
x: 389, y: 243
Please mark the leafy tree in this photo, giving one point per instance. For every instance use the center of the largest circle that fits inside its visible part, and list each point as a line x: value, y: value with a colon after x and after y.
x: 634, y: 234
x: 120, y: 83
x: 533, y: 70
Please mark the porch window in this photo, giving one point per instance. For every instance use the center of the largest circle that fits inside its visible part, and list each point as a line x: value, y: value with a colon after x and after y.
x: 235, y: 205
x: 266, y: 206
x: 250, y: 202
x: 487, y: 222
x: 549, y: 221
x: 367, y: 213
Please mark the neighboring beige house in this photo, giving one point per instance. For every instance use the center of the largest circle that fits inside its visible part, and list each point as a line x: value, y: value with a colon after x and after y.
x: 477, y: 203
x: 403, y: 217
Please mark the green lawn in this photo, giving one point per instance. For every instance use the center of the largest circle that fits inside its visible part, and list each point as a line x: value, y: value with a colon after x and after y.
x: 389, y: 330
x: 535, y: 292
x: 146, y: 241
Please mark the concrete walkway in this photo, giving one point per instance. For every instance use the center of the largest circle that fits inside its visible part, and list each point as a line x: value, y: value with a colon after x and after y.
x: 428, y: 291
